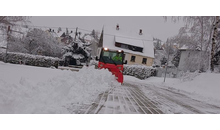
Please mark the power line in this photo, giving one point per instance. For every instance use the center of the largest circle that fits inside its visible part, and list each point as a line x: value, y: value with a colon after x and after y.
x: 49, y: 27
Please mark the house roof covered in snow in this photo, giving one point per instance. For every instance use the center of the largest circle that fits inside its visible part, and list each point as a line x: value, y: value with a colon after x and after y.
x: 129, y: 37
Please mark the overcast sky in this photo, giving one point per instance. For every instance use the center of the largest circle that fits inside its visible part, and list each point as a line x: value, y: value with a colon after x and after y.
x: 153, y: 25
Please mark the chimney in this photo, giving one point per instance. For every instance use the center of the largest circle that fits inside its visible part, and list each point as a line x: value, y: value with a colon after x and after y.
x: 117, y: 27
x: 140, y: 32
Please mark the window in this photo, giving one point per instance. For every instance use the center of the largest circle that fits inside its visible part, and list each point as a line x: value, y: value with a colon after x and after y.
x: 107, y: 57
x: 132, y: 58
x: 135, y: 48
x: 124, y: 46
x: 144, y: 61
x: 117, y: 44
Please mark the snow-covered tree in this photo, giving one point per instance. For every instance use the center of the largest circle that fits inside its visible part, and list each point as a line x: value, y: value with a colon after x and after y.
x: 94, y: 43
x: 169, y: 49
x: 157, y: 43
x: 77, y: 50
x: 217, y: 58
x: 162, y: 56
x: 11, y: 26
x: 92, y: 39
x: 16, y: 44
x: 196, y: 61
x: 197, y: 34
x: 41, y: 42
x: 176, y: 58
x: 12, y: 21
x: 215, y: 32
x: 217, y: 48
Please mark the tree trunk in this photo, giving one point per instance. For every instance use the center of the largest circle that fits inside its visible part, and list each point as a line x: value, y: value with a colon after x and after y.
x: 214, y: 42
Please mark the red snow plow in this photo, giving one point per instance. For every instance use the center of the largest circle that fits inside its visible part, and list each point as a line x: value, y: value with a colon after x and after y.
x: 113, y: 61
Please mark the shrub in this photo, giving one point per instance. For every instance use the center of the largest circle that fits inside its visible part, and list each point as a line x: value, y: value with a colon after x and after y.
x: 28, y: 59
x: 139, y: 71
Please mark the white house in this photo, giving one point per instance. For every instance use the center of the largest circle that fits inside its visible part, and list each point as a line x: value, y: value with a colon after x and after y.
x: 137, y: 45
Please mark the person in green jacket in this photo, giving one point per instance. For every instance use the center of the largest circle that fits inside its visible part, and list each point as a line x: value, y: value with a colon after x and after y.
x: 117, y: 57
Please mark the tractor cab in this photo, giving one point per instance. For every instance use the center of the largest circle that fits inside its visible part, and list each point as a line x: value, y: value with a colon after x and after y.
x: 113, y: 61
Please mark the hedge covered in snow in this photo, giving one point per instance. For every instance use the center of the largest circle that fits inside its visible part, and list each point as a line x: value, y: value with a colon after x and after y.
x: 2, y: 55
x: 139, y: 71
x: 28, y: 59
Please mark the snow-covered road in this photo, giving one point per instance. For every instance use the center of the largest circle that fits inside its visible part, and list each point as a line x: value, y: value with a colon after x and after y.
x: 121, y: 100
x: 133, y: 98
x: 170, y: 101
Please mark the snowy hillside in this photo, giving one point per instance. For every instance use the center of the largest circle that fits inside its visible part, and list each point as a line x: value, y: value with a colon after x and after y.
x: 28, y: 89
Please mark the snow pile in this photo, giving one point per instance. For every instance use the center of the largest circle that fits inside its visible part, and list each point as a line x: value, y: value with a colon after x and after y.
x: 55, y: 89
x: 205, y: 84
x: 187, y: 76
x: 93, y: 62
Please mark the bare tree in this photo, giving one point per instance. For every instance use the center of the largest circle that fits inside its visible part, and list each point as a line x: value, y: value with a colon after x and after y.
x: 13, y: 21
x: 197, y: 31
x: 196, y: 34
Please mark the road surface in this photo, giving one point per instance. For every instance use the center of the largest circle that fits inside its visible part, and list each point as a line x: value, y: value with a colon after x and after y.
x: 133, y: 98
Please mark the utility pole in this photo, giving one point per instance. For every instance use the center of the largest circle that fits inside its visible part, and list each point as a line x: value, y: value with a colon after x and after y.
x: 167, y: 62
x: 76, y: 34
x: 7, y: 44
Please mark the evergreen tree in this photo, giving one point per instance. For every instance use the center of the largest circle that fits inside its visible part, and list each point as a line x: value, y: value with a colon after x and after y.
x: 36, y: 42
x: 176, y: 58
x: 163, y: 60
